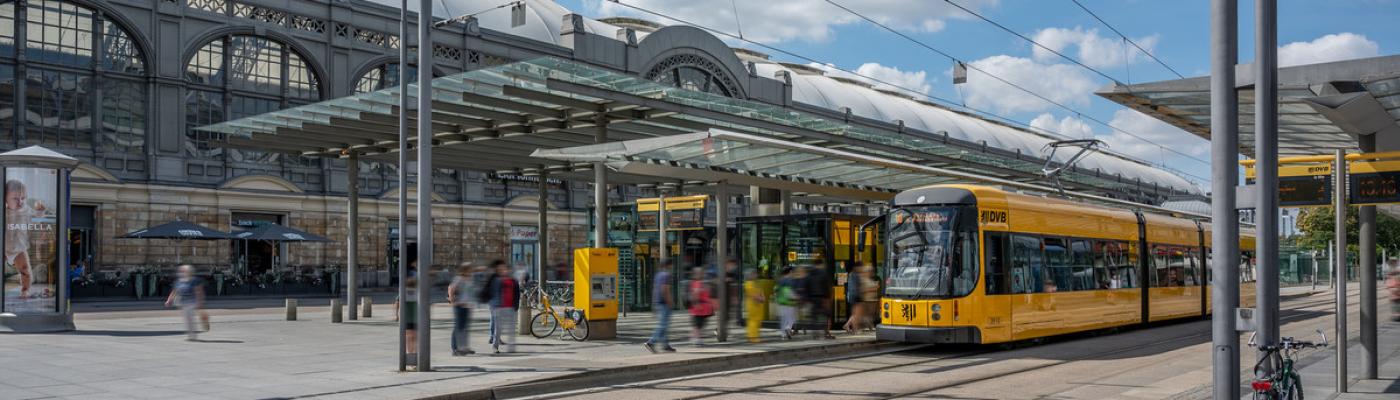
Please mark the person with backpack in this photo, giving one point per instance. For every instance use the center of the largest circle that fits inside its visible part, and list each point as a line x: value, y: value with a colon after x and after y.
x: 482, y: 277
x: 701, y: 304
x: 187, y: 294
x: 785, y: 294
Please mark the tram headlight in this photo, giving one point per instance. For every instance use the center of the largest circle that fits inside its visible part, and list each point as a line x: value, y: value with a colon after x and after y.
x: 887, y: 306
x: 934, y: 312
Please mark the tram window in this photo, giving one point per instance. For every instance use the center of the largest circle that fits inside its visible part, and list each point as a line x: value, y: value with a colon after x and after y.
x: 1026, y: 262
x: 1082, y: 263
x: 995, y: 248
x: 1193, y: 267
x: 965, y: 274
x: 1057, y: 266
x: 1206, y: 268
x: 1118, y: 264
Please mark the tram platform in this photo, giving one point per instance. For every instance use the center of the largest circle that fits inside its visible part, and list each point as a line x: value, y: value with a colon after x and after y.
x: 1319, y: 369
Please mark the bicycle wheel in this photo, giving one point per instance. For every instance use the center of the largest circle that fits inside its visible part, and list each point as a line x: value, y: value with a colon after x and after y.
x: 1295, y: 390
x: 580, y: 331
x: 543, y: 325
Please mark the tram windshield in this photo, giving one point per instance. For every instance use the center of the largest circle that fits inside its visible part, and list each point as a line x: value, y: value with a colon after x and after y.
x: 933, y: 252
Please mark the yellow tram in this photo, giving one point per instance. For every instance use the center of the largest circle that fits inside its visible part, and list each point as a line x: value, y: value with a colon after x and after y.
x: 977, y: 264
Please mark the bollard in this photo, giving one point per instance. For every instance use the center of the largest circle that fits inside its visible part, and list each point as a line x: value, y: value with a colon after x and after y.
x: 291, y: 309
x: 336, y: 311
x: 366, y: 304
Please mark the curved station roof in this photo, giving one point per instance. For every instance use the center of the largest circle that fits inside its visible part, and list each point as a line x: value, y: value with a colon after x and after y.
x: 494, y: 118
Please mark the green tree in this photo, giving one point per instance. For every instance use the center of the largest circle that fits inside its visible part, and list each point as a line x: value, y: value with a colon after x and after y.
x: 1316, y: 225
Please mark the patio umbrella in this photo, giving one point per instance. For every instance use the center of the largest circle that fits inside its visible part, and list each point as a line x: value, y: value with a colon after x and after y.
x: 279, y: 233
x: 177, y: 230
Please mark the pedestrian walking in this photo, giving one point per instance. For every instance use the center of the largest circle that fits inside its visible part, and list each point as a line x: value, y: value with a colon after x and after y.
x: 755, y: 306
x: 187, y: 294
x: 864, y: 300
x: 702, y: 304
x: 461, y: 294
x: 852, y: 300
x: 483, y: 276
x: 785, y: 294
x: 819, y: 298
x: 661, y: 304
x: 406, y: 309
x: 505, y: 302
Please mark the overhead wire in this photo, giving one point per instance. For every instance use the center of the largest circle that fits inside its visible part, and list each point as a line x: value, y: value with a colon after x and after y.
x: 1129, y: 40
x: 946, y: 101
x: 972, y: 66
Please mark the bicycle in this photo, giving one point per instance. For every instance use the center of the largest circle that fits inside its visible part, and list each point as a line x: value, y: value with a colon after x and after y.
x: 1284, y: 383
x: 544, y: 324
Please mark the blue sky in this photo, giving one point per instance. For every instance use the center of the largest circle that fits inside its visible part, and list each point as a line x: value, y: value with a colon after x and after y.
x: 1178, y: 32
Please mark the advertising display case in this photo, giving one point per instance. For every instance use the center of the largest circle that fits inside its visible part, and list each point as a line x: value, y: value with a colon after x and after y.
x: 36, y: 196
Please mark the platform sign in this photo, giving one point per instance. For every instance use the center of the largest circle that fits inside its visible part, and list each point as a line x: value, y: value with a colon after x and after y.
x: 682, y: 213
x: 1369, y: 182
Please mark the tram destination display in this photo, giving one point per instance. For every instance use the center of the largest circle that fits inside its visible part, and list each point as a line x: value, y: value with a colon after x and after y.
x: 1295, y: 191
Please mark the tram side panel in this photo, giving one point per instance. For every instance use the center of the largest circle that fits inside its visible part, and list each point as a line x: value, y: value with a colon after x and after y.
x: 1174, y: 270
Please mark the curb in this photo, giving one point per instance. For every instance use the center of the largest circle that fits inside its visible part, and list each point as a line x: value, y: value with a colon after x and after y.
x: 664, y: 370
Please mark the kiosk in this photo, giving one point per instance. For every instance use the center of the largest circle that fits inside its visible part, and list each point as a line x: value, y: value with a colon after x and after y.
x: 824, y: 242
x: 35, y: 285
x: 596, y: 290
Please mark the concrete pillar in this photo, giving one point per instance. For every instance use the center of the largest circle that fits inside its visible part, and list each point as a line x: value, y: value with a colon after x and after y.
x: 1266, y: 169
x: 1367, y: 277
x: 352, y: 236
x: 1224, y: 145
x: 337, y: 311
x: 425, y: 185
x: 291, y: 309
x: 367, y: 307
x: 765, y: 202
x: 663, y: 248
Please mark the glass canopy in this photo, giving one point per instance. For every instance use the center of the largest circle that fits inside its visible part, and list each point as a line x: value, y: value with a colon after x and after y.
x: 493, y: 118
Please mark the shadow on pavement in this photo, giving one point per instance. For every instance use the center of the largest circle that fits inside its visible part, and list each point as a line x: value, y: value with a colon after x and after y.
x: 123, y: 333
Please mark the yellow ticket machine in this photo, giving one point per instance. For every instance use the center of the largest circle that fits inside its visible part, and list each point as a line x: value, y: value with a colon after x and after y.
x: 596, y: 289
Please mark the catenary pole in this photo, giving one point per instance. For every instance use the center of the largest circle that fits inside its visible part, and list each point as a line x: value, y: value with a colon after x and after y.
x: 1224, y: 145
x: 1339, y: 262
x: 1367, y: 276
x: 1266, y: 170
x: 403, y: 181
x: 425, y: 183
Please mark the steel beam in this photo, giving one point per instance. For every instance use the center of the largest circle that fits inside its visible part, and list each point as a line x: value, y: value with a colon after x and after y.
x: 403, y: 183
x: 352, y: 236
x: 1224, y: 147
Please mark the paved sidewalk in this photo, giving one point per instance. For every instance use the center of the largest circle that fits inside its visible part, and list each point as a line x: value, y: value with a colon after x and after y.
x: 1319, y: 370
x: 253, y: 353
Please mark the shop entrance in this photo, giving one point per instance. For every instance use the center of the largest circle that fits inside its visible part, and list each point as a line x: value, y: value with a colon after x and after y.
x: 392, y: 255
x: 256, y: 257
x: 82, y: 247
x: 524, y: 243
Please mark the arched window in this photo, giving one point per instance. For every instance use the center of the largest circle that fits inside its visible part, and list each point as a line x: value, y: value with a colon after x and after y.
x: 384, y: 76
x: 238, y: 76
x: 83, y: 83
x: 692, y: 72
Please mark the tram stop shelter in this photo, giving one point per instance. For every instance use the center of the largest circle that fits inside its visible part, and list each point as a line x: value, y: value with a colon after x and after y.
x: 1349, y: 105
x: 573, y: 121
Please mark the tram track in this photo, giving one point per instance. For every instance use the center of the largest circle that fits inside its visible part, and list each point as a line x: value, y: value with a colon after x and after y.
x: 1301, y: 308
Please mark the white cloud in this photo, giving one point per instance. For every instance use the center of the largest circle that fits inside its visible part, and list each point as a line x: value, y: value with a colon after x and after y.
x: 1092, y: 50
x: 903, y: 81
x: 771, y: 21
x: 1160, y: 133
x: 1070, y: 126
x: 1333, y: 47
x: 1063, y: 83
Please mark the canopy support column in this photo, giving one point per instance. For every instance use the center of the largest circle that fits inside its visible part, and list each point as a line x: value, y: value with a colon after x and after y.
x: 523, y: 317
x: 1224, y: 146
x: 1367, y: 277
x: 722, y: 257
x: 352, y: 235
x: 425, y: 184
x: 1266, y: 171
x: 400, y: 257
x: 600, y: 189
x: 1339, y: 262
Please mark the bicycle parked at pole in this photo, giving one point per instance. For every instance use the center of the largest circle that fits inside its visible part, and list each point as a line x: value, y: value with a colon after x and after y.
x: 545, y: 323
x: 1283, y: 383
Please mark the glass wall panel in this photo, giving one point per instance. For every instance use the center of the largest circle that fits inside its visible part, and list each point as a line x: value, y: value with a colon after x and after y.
x: 58, y: 32
x: 202, y: 108
x: 59, y: 109
x: 7, y: 29
x: 123, y: 116
x: 119, y: 51
x: 383, y: 76
x: 255, y: 64
x: 207, y: 65
x: 7, y: 105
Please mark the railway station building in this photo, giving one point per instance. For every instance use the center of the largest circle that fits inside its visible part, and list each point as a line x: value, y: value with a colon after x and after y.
x: 234, y: 113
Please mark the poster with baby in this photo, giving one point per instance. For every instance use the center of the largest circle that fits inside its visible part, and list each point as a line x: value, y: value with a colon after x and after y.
x: 31, y: 249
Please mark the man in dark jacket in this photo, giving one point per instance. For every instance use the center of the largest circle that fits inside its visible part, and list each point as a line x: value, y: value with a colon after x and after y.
x: 818, y: 295
x: 505, y: 302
